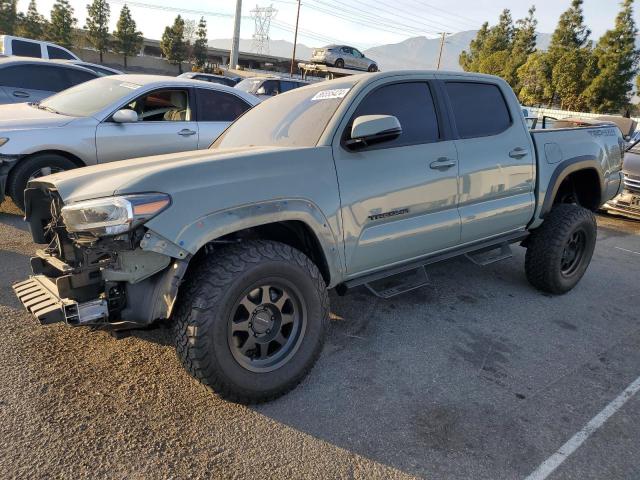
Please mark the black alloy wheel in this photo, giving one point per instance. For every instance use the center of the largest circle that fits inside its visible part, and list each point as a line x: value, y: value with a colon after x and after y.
x: 267, y: 325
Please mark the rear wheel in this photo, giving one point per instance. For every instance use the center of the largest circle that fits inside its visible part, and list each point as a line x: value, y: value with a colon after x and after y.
x: 559, y: 252
x: 34, y: 167
x: 251, y: 320
x: 339, y: 63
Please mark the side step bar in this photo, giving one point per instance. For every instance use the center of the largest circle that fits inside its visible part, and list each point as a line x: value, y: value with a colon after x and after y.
x: 480, y: 253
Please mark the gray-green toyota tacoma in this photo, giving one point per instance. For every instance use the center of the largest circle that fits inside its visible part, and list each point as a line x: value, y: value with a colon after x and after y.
x: 357, y: 181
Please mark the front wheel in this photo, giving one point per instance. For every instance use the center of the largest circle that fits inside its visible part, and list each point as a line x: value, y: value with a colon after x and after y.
x: 34, y: 167
x: 372, y: 68
x: 559, y: 252
x: 251, y: 320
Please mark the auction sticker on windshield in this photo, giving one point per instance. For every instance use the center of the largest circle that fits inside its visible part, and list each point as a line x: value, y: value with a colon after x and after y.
x: 328, y: 94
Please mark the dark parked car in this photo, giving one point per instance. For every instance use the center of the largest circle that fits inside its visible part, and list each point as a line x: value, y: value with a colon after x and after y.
x: 32, y: 79
x: 210, y: 77
x: 269, y: 86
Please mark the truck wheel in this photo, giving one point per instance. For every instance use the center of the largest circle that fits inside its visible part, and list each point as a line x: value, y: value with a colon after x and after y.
x: 339, y: 63
x: 559, y: 252
x: 33, y: 167
x: 251, y: 320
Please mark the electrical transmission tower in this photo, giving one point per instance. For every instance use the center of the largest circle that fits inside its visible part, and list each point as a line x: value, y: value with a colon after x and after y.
x: 262, y: 17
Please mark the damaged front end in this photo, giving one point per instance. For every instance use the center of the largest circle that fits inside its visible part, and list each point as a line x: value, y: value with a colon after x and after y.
x: 101, y: 266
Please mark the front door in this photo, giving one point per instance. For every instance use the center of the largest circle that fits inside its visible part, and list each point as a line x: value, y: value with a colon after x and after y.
x: 165, y: 125
x: 496, y: 158
x: 399, y: 198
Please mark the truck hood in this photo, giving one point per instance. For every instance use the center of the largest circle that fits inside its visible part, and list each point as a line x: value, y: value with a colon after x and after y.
x: 161, y: 173
x: 22, y: 116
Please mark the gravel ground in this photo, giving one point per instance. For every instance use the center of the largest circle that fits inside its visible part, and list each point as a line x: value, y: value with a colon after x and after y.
x: 475, y: 376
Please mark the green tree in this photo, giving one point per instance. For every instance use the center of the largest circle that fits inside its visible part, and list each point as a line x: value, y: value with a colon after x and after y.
x: 487, y: 49
x: 524, y: 44
x: 616, y: 57
x: 98, y: 25
x: 62, y: 23
x: 172, y: 43
x: 128, y: 39
x: 32, y: 25
x: 469, y: 60
x: 201, y: 43
x: 570, y: 53
x: 533, y: 78
x: 571, y: 32
x: 8, y: 16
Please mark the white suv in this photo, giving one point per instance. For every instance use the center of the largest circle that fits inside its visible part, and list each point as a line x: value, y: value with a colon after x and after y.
x: 25, y: 47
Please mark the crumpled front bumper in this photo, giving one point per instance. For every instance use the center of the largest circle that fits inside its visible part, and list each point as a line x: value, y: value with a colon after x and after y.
x: 40, y: 296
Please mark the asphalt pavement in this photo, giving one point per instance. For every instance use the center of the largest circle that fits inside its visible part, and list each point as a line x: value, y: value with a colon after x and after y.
x: 476, y: 376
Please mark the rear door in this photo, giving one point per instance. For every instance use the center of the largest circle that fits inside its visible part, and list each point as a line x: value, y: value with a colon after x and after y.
x: 399, y: 198
x: 359, y: 60
x: 496, y: 158
x: 166, y: 124
x: 216, y: 110
x: 347, y: 55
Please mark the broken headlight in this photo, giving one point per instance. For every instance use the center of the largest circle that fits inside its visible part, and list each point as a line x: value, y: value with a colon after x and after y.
x: 113, y: 215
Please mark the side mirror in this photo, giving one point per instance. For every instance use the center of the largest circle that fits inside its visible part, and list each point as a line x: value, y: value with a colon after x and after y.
x: 372, y: 129
x: 125, y: 116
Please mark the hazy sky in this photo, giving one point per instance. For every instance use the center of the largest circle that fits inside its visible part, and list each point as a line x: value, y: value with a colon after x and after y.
x: 379, y: 21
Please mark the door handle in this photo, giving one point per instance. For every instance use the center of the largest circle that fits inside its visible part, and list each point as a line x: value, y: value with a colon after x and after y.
x: 443, y: 163
x: 21, y: 94
x: 518, y: 153
x: 185, y: 132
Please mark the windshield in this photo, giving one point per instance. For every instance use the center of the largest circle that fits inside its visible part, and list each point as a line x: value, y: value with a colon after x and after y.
x: 82, y: 101
x: 249, y: 85
x: 293, y: 119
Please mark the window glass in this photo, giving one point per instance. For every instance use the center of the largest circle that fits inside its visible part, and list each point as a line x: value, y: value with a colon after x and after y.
x: 219, y: 106
x: 82, y: 101
x: 75, y: 77
x: 295, y: 119
x: 56, y: 53
x: 162, y: 105
x: 411, y: 103
x: 102, y: 72
x: 34, y: 77
x: 479, y: 109
x: 26, y: 49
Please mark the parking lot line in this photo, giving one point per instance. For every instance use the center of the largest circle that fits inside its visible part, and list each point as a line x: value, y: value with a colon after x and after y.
x: 628, y: 251
x: 554, y: 461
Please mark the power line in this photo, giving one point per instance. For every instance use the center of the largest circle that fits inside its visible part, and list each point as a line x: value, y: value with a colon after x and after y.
x: 367, y: 20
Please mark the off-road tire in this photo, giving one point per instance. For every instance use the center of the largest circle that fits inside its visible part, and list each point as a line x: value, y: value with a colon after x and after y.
x: 546, y: 245
x: 204, y: 309
x: 25, y: 168
x: 339, y: 63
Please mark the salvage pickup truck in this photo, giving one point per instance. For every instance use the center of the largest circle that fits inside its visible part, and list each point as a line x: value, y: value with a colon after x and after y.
x: 357, y: 181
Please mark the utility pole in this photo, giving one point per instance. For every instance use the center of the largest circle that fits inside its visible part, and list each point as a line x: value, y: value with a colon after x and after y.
x: 235, y: 42
x: 295, y: 42
x: 443, y: 35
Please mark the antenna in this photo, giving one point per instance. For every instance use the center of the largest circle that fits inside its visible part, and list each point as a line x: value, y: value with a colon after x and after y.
x: 262, y: 17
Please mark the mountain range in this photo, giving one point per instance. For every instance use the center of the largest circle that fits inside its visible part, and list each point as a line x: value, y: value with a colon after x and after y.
x: 415, y: 52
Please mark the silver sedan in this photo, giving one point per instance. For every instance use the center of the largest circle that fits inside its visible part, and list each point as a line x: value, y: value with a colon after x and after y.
x: 112, y: 118
x: 343, y: 56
